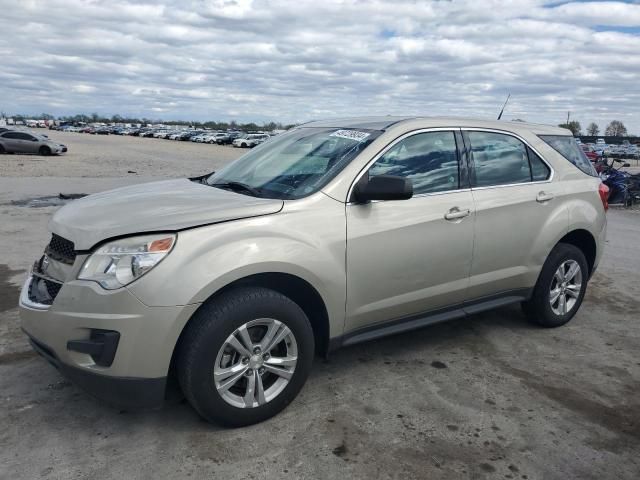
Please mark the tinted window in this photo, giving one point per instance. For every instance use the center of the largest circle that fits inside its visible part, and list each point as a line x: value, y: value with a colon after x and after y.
x: 498, y: 159
x: 539, y: 170
x: 567, y: 147
x: 13, y: 135
x: 429, y: 159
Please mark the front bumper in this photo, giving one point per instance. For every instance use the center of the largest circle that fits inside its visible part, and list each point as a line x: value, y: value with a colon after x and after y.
x: 136, y: 374
x: 118, y: 391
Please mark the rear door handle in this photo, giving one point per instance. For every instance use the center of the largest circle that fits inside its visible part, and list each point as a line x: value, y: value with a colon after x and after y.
x: 544, y: 197
x: 455, y: 213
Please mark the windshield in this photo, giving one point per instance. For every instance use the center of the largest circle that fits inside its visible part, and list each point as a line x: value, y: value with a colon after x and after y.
x: 296, y: 163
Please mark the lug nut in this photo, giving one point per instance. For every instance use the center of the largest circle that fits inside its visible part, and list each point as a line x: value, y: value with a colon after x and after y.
x: 257, y: 350
x: 249, y: 372
x: 245, y: 360
x: 266, y: 356
x: 261, y: 370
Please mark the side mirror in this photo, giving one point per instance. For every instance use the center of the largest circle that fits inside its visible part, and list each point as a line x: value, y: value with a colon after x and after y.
x: 383, y: 187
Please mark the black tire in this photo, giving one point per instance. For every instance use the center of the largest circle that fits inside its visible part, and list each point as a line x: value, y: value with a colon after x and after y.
x: 1, y: 149
x: 538, y: 309
x: 208, y: 330
x: 44, y: 151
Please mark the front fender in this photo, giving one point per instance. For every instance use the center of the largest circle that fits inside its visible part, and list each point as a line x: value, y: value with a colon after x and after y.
x: 308, y: 243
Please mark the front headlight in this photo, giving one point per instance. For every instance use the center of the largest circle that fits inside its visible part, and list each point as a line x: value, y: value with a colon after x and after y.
x: 118, y: 263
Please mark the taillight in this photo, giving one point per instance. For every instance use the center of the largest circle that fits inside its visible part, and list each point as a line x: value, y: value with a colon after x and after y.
x: 603, y: 190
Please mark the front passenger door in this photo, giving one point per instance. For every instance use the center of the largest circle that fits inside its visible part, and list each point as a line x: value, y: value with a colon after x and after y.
x: 406, y: 257
x: 30, y: 143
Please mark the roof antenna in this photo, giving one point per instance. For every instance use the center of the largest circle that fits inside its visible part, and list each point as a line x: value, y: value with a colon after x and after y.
x: 505, y: 104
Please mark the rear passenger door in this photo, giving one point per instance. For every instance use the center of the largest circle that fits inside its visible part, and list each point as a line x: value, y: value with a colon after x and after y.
x: 12, y: 141
x: 406, y: 257
x: 515, y: 199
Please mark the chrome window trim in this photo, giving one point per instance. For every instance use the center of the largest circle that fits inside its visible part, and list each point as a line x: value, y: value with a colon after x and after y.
x: 514, y: 135
x: 388, y: 147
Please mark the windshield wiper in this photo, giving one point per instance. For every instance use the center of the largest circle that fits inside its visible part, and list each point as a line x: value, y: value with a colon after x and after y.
x: 238, y: 186
x: 201, y: 178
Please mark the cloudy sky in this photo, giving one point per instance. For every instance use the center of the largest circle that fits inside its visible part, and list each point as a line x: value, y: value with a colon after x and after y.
x: 296, y: 60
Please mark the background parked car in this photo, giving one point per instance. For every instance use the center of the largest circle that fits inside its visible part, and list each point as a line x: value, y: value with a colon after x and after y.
x: 250, y: 140
x: 13, y: 141
x: 227, y: 138
x: 590, y: 152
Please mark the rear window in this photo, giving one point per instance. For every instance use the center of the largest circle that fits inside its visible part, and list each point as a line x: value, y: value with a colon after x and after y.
x: 568, y: 148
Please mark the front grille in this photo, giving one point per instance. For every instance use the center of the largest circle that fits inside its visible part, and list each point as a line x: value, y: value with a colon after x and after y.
x: 61, y: 249
x: 43, y: 291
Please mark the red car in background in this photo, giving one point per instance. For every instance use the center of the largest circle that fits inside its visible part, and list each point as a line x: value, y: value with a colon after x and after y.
x: 590, y: 152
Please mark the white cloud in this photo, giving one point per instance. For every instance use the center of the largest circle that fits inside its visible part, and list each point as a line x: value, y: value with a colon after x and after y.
x: 293, y: 61
x: 80, y: 88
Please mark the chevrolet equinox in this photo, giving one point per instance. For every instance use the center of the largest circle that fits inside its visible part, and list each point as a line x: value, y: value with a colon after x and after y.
x: 333, y: 233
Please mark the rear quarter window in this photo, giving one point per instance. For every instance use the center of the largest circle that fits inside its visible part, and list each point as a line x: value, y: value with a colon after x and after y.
x: 569, y: 149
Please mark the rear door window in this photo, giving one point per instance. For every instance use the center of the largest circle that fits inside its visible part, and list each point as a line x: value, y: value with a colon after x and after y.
x: 498, y: 159
x: 540, y: 171
x: 12, y: 135
x: 568, y: 148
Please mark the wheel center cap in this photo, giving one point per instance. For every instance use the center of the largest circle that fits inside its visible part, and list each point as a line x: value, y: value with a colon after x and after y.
x: 255, y: 361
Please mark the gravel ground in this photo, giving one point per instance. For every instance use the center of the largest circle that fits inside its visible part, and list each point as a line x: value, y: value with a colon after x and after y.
x: 486, y: 397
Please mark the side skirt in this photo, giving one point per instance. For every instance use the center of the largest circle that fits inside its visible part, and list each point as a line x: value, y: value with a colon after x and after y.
x: 414, y: 322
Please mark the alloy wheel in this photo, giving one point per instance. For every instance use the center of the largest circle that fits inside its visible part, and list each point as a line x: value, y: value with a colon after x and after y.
x: 566, y: 285
x: 255, y: 363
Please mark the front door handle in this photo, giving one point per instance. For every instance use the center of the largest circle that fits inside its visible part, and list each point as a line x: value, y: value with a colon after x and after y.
x: 455, y: 214
x: 544, y: 197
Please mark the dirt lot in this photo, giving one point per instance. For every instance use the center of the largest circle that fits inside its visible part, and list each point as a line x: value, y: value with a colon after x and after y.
x: 116, y: 156
x: 486, y: 397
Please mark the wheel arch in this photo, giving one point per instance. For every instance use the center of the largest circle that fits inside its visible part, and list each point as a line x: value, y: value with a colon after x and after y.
x: 585, y: 241
x: 305, y: 295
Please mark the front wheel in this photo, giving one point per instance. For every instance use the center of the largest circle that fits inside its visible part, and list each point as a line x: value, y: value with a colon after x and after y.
x: 560, y: 289
x: 245, y: 356
x: 44, y: 151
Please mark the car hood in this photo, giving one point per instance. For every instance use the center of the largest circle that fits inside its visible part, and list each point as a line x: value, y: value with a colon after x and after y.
x: 158, y: 206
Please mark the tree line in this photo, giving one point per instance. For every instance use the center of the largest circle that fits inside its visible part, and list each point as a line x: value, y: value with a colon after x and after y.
x: 96, y: 118
x: 615, y: 129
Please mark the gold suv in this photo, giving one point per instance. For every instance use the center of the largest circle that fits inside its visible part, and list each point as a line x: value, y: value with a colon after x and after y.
x: 332, y: 233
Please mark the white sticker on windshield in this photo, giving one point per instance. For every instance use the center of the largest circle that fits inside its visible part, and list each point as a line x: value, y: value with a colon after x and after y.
x: 351, y: 135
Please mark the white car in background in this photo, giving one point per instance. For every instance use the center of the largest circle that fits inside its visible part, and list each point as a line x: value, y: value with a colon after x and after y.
x: 250, y: 140
x: 198, y: 138
x: 214, y: 137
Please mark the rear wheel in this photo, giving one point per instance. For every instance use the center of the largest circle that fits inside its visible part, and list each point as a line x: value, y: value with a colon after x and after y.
x: 44, y: 151
x: 560, y: 289
x: 245, y: 356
